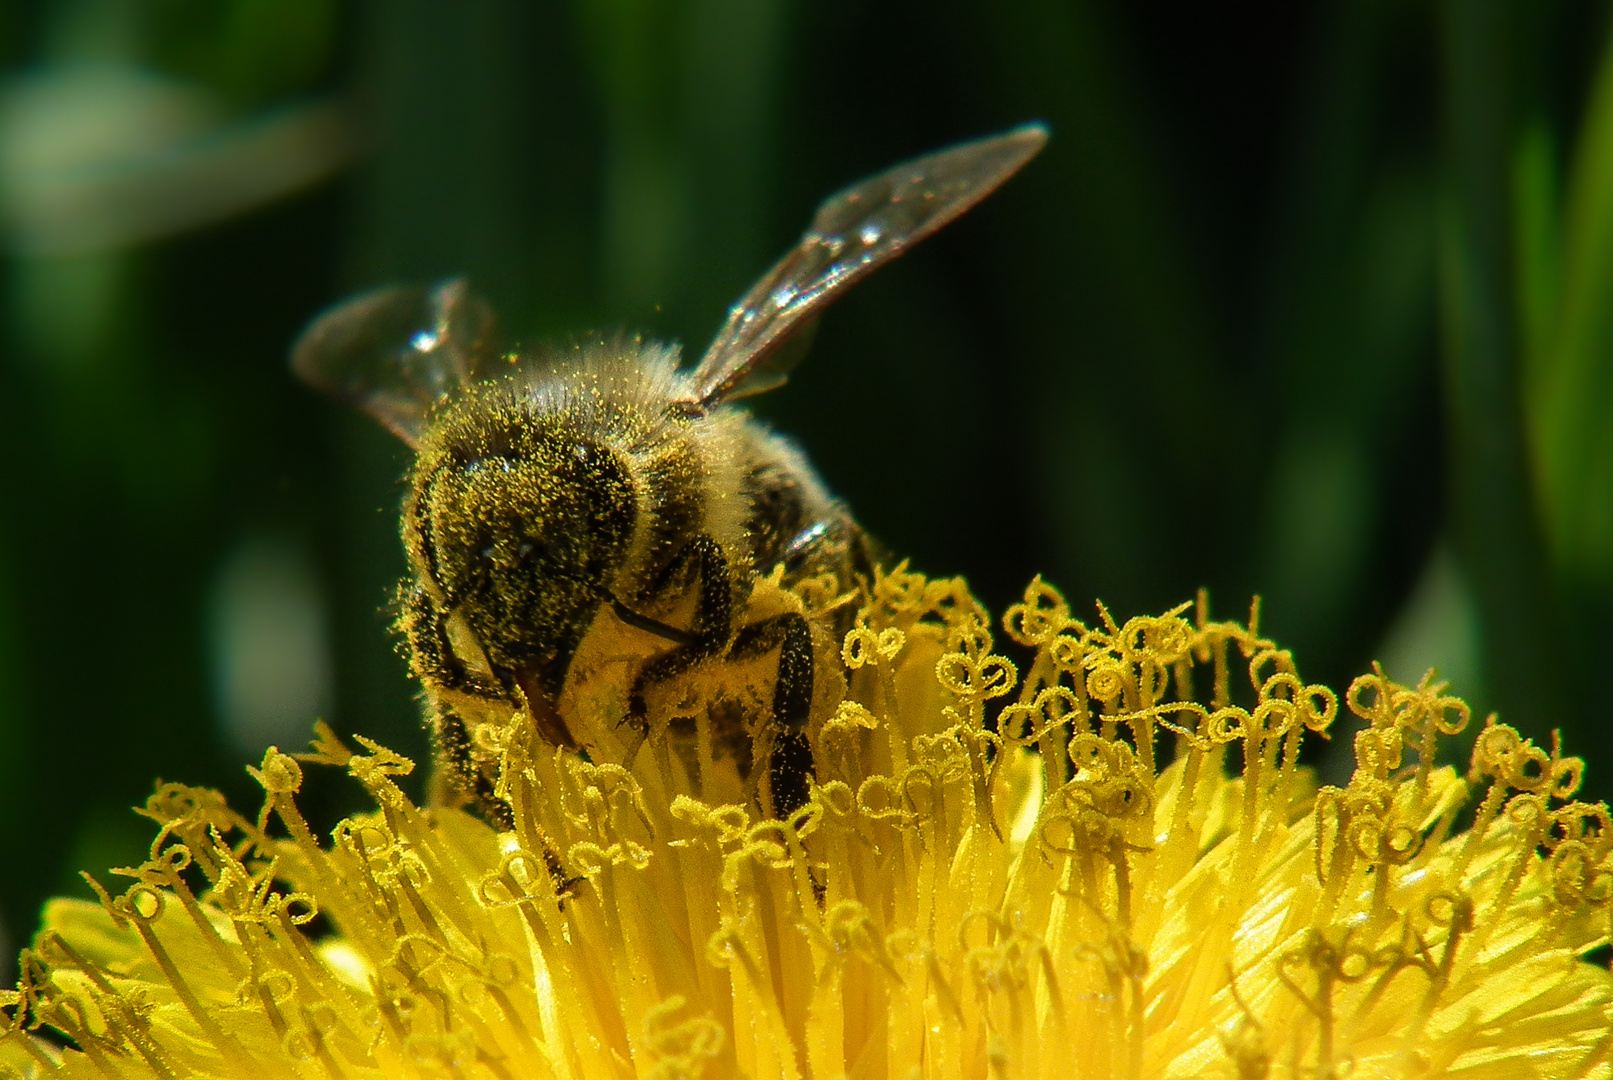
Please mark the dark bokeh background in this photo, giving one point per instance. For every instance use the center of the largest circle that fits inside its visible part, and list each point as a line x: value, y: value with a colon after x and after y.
x: 1305, y: 299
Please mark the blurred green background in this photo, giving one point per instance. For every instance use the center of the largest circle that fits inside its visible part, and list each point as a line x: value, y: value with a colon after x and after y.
x: 1310, y: 299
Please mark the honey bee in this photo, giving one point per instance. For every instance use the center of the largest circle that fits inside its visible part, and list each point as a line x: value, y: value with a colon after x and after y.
x: 597, y: 524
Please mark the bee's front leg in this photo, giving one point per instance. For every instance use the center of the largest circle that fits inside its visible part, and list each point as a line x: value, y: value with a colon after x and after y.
x: 453, y: 746
x: 709, y: 630
x: 431, y: 654
x: 789, y: 762
x: 443, y: 673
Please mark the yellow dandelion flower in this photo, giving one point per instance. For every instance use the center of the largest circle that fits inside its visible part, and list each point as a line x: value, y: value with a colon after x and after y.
x: 1112, y: 867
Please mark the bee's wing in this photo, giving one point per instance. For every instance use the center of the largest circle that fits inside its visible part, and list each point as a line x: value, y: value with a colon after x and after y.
x: 854, y: 233
x: 396, y: 352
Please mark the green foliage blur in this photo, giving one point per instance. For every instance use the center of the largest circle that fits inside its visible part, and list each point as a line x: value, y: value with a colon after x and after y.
x: 1310, y: 299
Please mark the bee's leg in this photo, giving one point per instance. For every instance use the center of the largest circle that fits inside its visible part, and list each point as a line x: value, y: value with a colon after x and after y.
x: 432, y: 656
x: 714, y: 608
x: 790, y: 764
x: 709, y: 629
x: 454, y: 750
x: 440, y: 669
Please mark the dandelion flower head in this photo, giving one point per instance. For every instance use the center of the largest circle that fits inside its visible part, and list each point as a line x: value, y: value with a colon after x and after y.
x: 1104, y: 861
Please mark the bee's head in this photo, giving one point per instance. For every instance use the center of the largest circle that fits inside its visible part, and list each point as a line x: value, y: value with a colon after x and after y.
x: 518, y: 525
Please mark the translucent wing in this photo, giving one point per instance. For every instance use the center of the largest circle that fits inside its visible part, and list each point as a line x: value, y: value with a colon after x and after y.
x: 854, y: 233
x: 396, y: 352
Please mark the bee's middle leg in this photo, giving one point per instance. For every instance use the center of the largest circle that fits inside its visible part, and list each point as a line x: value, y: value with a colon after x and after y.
x: 789, y: 765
